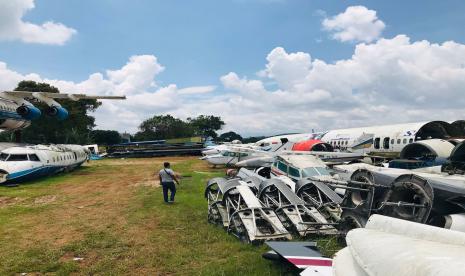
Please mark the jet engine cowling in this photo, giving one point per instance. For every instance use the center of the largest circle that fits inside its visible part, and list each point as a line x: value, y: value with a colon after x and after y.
x: 57, y: 111
x: 28, y: 112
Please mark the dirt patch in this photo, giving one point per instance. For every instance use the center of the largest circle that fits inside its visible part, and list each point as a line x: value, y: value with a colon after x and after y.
x: 147, y: 183
x: 45, y: 199
x: 8, y: 201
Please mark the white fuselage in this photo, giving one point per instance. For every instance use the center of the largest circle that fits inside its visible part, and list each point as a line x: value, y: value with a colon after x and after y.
x: 18, y: 164
x: 232, y: 155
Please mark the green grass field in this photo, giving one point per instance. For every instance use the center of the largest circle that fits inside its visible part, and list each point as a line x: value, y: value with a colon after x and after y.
x: 110, y: 214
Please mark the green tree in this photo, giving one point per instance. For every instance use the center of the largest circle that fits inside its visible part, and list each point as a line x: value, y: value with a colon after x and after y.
x: 163, y: 127
x: 229, y: 136
x: 206, y: 125
x: 74, y: 130
x: 105, y: 137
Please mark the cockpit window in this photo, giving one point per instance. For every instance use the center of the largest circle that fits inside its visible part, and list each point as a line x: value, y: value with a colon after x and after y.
x: 3, y: 156
x: 17, y: 157
x: 282, y: 166
x: 33, y: 157
x: 309, y: 172
x: 314, y: 171
x: 322, y: 171
x: 294, y: 172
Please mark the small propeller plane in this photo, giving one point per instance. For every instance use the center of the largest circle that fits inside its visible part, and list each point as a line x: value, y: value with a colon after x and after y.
x: 17, y: 111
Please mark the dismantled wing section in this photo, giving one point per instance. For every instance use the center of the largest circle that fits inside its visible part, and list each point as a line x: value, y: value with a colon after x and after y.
x: 214, y: 192
x: 42, y: 95
x: 303, y: 255
x: 319, y: 195
x: 248, y: 219
x: 297, y: 216
x: 233, y: 205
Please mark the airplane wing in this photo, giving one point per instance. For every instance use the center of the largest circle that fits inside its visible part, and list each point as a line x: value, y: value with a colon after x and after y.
x: 74, y: 97
x: 303, y: 255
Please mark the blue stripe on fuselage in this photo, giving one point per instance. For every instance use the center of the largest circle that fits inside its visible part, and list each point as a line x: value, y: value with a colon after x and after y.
x: 36, y: 172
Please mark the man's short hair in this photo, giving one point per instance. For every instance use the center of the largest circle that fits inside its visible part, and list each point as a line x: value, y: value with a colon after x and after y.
x: 166, y: 164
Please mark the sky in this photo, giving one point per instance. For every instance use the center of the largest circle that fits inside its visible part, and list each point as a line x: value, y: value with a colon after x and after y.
x: 264, y: 66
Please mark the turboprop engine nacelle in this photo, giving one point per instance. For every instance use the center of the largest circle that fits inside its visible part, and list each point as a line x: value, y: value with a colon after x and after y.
x: 29, y: 112
x: 58, y: 111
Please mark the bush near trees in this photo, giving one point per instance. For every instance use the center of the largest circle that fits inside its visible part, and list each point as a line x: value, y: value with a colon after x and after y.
x: 105, y: 137
x: 229, y: 137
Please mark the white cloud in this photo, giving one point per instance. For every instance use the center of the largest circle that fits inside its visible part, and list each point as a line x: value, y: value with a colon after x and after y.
x: 389, y: 81
x: 12, y: 26
x: 357, y: 23
x: 197, y: 90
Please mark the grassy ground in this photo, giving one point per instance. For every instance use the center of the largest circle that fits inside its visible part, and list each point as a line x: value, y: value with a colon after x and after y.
x: 111, y: 214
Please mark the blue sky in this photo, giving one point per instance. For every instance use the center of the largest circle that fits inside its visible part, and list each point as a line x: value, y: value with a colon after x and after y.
x: 198, y: 42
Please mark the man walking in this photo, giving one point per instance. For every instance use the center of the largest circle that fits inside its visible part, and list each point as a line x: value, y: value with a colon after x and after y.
x: 167, y: 180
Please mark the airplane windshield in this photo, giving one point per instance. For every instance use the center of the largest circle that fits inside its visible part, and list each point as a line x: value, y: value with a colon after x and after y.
x: 3, y: 156
x: 17, y: 157
x: 314, y: 171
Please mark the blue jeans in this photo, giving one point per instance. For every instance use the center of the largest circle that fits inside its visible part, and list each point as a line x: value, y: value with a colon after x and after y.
x: 168, y: 186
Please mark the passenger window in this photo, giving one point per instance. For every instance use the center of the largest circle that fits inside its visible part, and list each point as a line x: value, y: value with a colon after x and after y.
x: 410, y: 141
x: 294, y: 172
x: 376, y: 144
x: 386, y: 143
x: 398, y: 141
x: 282, y: 166
x: 404, y: 141
x: 33, y: 157
x: 392, y: 141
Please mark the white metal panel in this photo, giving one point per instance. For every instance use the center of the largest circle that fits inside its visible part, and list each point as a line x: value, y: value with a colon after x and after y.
x: 250, y: 199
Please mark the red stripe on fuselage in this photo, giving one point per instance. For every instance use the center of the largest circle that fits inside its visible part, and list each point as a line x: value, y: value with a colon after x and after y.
x: 277, y: 172
x: 307, y: 262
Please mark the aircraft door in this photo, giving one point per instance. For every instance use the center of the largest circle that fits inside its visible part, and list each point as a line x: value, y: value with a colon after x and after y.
x: 386, y: 141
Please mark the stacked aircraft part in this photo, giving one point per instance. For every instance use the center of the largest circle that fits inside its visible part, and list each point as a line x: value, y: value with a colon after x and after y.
x: 319, y: 194
x: 418, y: 197
x: 456, y: 161
x: 296, y: 215
x: 233, y: 205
